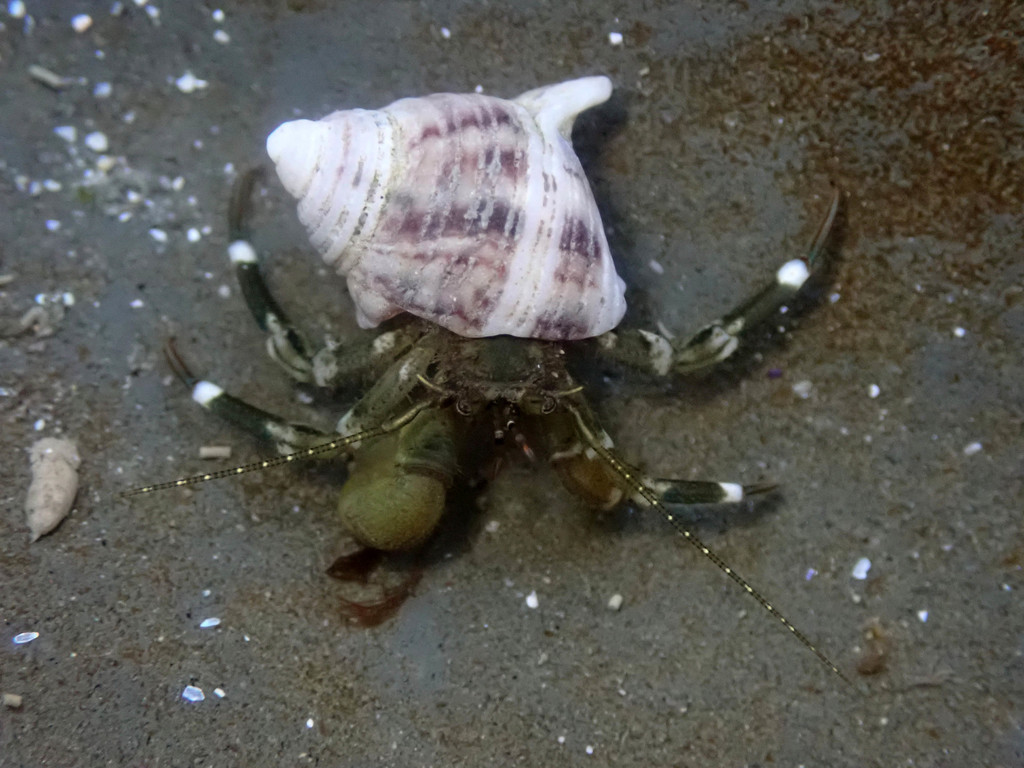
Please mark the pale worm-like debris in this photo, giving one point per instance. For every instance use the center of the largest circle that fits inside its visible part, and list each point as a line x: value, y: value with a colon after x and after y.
x: 54, y: 484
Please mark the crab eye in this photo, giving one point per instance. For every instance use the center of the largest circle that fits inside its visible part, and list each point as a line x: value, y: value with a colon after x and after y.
x: 548, y: 406
x: 463, y: 408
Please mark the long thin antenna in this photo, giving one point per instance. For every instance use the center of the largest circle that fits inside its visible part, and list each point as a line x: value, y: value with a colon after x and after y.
x: 277, y: 461
x: 651, y: 498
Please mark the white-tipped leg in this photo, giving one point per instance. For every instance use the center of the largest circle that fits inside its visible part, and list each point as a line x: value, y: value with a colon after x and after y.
x: 720, y: 339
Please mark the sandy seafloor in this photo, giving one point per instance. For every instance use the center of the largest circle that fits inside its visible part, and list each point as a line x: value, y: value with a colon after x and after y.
x: 711, y: 165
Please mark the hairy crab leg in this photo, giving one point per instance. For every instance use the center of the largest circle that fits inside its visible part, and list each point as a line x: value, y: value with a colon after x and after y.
x: 719, y: 339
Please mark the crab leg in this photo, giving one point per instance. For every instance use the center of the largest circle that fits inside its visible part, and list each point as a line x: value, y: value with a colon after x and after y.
x: 284, y: 343
x: 327, y: 367
x: 589, y: 475
x: 719, y: 339
x: 287, y: 437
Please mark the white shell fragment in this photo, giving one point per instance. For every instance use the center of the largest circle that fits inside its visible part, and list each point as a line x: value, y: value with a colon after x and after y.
x: 464, y: 209
x: 860, y: 569
x: 193, y: 693
x: 54, y: 484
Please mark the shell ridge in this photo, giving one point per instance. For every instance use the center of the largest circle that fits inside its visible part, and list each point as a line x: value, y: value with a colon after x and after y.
x: 555, y: 107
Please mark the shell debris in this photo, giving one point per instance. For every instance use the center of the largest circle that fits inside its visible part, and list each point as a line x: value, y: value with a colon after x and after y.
x: 215, y: 452
x: 54, y: 484
x: 193, y: 693
x: 860, y: 569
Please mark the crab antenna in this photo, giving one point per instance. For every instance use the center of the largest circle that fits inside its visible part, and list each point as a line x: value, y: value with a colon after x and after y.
x: 651, y: 498
x: 305, y: 453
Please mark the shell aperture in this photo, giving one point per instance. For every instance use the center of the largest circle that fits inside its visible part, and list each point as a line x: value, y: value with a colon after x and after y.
x: 467, y: 210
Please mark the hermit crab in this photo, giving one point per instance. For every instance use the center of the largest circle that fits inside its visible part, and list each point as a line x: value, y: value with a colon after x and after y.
x: 470, y: 216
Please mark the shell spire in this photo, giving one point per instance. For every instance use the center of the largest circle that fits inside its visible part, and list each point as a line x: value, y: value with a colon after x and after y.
x: 467, y: 210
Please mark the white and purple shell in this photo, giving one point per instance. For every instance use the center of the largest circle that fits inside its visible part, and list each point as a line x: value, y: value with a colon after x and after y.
x: 467, y: 210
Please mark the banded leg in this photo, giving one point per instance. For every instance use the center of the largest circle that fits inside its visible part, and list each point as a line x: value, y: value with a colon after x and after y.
x: 286, y: 437
x: 285, y: 344
x: 327, y: 367
x: 719, y: 339
x: 587, y: 474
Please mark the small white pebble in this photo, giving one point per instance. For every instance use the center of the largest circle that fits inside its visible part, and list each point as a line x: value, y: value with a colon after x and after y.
x: 224, y: 291
x: 871, y: 58
x: 207, y: 623
x: 193, y: 235
x: 874, y: 391
x: 51, y: 185
x: 972, y: 448
x: 66, y: 132
x: 16, y: 9
x: 656, y: 267
x: 97, y: 141
x: 959, y: 332
x: 25, y: 637
x: 615, y: 602
x: 446, y: 33
x: 492, y: 526
x: 153, y: 12
x: 802, y: 389
x: 188, y: 83
x: 923, y: 616
x: 81, y: 22
x: 137, y: 304
x: 221, y: 36
x: 615, y: 38
x: 192, y: 693
x: 217, y: 15
x: 219, y: 693
x: 309, y: 722
x: 229, y: 168
x: 589, y: 750
x: 158, y: 234
x: 67, y: 299
x: 810, y: 574
x: 833, y: 298
x: 478, y: 88
x: 52, y: 225
x: 561, y: 739
x: 102, y: 90
x: 861, y: 568
x: 531, y: 600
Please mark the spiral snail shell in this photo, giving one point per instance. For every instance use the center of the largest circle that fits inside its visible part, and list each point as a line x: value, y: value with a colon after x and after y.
x: 467, y: 210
